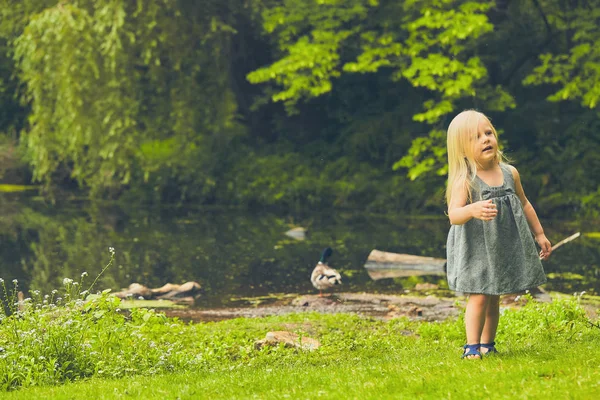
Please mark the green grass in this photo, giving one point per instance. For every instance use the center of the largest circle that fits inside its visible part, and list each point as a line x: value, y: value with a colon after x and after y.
x: 548, y: 351
x: 413, y: 369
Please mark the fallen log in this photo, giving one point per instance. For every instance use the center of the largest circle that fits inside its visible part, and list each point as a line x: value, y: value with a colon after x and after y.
x: 185, y: 293
x: 382, y: 264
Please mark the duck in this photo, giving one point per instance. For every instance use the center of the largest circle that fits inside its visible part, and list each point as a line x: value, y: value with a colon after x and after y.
x: 323, y: 276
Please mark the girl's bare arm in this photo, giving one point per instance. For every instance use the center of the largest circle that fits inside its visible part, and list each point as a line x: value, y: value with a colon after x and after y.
x: 460, y: 212
x: 532, y: 218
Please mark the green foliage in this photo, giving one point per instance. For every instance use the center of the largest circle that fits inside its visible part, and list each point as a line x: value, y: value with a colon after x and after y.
x: 310, y: 35
x: 68, y: 335
x: 292, y: 182
x: 575, y: 70
x: 289, y: 180
x: 428, y: 43
x: 563, y: 319
x: 425, y: 154
x: 106, y: 84
x: 421, y: 41
x: 160, y: 101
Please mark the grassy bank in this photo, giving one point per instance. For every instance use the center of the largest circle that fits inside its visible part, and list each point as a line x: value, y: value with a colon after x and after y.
x: 421, y: 372
x: 547, y: 350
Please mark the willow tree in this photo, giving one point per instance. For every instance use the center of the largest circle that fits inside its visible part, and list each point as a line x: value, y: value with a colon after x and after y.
x: 123, y: 91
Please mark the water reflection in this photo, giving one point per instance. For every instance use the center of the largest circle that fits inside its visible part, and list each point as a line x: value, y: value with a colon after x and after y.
x: 234, y: 253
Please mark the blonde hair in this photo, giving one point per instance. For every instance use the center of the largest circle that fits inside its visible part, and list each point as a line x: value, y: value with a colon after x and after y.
x: 462, y: 167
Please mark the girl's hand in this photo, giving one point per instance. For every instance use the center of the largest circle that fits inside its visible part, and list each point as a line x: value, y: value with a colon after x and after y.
x: 484, y: 210
x: 544, y: 243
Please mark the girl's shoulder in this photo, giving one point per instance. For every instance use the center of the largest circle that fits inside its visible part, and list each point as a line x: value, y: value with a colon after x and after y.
x: 506, y: 166
x: 514, y: 174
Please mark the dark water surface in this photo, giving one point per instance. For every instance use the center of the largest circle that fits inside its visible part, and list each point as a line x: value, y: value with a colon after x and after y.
x: 237, y: 253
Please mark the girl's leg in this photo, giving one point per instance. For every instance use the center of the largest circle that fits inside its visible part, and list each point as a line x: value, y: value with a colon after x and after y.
x: 475, y: 316
x: 492, y: 317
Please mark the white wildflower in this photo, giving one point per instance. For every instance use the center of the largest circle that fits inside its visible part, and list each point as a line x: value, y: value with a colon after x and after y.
x: 67, y: 281
x: 15, y: 281
x: 111, y: 250
x: 84, y: 274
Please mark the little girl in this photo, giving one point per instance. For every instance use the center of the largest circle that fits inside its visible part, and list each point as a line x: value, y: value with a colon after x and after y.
x: 490, y: 247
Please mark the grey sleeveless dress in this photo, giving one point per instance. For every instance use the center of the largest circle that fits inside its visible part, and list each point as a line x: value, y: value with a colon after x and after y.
x: 498, y: 256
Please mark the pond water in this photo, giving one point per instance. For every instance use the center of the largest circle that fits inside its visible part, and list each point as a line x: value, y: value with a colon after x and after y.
x: 237, y: 253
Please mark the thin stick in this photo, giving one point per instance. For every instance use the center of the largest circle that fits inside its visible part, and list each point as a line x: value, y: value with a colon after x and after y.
x: 567, y: 240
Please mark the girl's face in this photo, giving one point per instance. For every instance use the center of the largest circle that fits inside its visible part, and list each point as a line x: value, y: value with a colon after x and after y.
x: 485, y: 146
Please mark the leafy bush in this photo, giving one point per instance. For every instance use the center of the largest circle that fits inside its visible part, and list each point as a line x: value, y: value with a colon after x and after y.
x: 67, y: 335
x: 560, y: 320
x: 293, y: 180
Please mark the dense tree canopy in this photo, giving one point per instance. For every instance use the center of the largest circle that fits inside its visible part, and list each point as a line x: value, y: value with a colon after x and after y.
x: 299, y: 102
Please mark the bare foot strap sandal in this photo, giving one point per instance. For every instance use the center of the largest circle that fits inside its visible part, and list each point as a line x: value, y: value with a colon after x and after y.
x: 472, y: 351
x: 490, y: 347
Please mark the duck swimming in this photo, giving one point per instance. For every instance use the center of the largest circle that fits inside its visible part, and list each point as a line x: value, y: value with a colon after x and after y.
x: 323, y: 276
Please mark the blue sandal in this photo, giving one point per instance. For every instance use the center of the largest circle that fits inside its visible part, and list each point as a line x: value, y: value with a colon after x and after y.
x: 472, y: 350
x: 491, y: 348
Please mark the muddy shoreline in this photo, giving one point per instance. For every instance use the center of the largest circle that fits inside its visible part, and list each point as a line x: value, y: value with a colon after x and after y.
x: 422, y: 307
x: 380, y: 306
